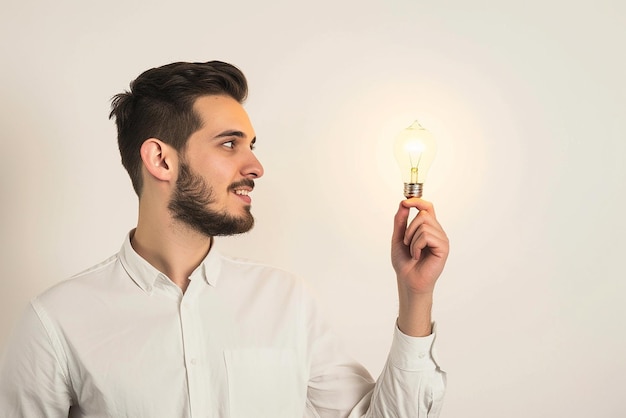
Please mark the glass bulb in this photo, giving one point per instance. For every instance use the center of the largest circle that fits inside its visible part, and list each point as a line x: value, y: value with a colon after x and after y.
x: 415, y: 151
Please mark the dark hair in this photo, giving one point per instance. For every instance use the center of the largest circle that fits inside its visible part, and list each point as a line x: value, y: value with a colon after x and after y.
x: 160, y: 105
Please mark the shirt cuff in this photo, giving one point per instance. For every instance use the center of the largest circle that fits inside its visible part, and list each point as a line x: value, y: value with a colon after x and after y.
x: 413, y: 354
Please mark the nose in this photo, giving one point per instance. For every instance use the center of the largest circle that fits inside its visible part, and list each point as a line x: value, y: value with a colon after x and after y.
x: 253, y: 168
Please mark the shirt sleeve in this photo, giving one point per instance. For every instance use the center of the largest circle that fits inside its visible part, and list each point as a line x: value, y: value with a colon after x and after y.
x: 32, y: 378
x: 410, y: 385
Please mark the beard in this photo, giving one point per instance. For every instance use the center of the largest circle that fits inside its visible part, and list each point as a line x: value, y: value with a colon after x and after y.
x: 191, y: 201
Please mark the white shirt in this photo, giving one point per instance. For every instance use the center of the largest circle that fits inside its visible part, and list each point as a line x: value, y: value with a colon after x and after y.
x: 243, y: 341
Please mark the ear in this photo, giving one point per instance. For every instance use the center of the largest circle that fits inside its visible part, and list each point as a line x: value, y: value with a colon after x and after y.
x: 157, y: 158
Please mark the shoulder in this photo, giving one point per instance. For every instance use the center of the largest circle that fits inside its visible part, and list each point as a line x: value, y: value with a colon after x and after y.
x: 77, y: 288
x: 253, y: 266
x: 246, y: 273
x: 96, y: 270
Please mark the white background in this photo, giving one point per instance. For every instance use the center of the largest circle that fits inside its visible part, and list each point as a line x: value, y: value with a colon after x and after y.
x: 526, y: 99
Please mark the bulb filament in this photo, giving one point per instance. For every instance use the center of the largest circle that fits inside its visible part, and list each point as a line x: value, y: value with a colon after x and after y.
x: 414, y: 167
x: 413, y: 174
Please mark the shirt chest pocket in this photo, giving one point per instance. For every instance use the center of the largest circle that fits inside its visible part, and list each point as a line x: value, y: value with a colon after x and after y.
x: 265, y: 382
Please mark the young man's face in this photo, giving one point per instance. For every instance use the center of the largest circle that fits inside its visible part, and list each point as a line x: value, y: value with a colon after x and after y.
x: 217, y: 169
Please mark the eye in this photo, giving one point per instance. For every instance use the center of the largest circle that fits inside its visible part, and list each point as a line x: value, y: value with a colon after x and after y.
x: 229, y: 144
x: 253, y: 146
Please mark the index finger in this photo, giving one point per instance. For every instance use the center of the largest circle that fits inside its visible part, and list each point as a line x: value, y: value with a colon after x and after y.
x: 419, y: 204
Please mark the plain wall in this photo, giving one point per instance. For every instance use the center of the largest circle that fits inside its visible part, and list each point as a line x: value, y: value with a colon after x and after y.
x: 527, y: 101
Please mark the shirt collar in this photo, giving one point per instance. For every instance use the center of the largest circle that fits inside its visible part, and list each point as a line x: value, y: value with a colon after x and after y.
x: 145, y: 274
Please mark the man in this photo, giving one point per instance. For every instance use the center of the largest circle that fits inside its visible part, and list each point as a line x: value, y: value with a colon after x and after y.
x: 168, y: 327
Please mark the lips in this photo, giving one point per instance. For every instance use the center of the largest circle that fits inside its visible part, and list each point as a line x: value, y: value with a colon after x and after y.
x: 242, y: 188
x: 245, y: 184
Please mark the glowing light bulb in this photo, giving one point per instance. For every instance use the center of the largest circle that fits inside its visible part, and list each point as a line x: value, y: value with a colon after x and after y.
x: 415, y: 151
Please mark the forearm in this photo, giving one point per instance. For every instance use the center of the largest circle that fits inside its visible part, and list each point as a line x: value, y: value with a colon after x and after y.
x: 414, y: 317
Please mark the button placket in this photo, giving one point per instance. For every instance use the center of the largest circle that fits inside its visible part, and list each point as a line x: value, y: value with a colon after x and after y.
x: 190, y: 349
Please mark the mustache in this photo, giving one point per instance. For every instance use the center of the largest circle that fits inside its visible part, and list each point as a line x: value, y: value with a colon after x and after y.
x: 242, y: 183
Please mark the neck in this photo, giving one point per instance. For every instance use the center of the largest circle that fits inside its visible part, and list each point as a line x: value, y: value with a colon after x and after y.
x: 175, y: 250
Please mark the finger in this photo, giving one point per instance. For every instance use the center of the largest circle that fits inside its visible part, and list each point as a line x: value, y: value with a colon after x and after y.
x: 423, y: 218
x: 399, y: 224
x: 427, y: 237
x: 419, y: 204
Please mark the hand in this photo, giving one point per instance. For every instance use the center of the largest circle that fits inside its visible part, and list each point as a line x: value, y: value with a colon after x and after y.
x: 419, y: 251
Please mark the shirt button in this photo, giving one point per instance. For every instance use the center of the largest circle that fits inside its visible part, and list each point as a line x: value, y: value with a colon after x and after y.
x: 421, y: 355
x: 193, y: 361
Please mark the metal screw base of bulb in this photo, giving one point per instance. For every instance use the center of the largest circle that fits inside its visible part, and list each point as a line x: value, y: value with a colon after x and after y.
x: 413, y: 190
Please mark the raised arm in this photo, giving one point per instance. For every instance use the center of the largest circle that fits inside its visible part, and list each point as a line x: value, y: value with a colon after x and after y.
x: 418, y: 255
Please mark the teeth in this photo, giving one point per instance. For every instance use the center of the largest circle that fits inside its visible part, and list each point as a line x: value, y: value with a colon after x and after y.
x: 242, y: 192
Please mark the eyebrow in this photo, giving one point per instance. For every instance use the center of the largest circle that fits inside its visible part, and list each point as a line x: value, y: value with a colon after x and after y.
x: 232, y: 132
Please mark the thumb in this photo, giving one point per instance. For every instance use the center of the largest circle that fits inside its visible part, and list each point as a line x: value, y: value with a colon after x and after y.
x: 399, y: 225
